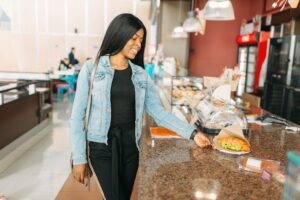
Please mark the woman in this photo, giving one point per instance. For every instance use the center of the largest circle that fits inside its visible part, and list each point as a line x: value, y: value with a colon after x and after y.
x: 121, y: 91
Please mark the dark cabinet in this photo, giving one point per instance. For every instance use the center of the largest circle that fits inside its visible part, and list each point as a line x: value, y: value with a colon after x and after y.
x: 282, y: 88
x: 274, y: 98
x: 293, y: 105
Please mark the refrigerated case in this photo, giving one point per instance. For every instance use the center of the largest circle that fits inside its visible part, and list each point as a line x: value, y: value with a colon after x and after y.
x: 252, y: 52
x: 282, y: 87
x: 247, y: 63
x: 294, y: 95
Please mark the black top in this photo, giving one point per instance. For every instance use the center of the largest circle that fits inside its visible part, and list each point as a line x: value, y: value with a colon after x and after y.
x: 122, y: 98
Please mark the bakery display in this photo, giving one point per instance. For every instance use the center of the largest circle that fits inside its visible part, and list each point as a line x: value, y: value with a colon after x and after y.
x: 184, y: 87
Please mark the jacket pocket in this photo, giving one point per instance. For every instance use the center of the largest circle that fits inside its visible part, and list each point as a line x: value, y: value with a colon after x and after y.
x: 98, y: 86
x: 95, y: 121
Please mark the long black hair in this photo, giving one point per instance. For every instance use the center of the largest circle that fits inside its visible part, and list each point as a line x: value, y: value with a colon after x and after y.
x: 119, y: 32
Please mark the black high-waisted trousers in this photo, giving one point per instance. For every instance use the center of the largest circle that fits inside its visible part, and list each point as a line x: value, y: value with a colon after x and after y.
x: 116, y: 164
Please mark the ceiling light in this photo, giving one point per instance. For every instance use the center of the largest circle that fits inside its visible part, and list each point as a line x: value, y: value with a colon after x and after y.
x: 178, y: 32
x: 191, y: 24
x: 218, y: 10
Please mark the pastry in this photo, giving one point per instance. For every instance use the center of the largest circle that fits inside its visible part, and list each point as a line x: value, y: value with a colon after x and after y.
x: 233, y: 143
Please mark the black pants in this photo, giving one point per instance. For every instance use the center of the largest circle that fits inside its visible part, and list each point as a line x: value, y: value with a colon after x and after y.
x: 116, y: 164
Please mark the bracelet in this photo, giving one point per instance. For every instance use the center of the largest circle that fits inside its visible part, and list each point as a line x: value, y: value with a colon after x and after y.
x: 193, y: 134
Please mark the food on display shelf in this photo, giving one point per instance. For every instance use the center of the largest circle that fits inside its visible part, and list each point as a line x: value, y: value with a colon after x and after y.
x: 184, y: 89
x: 182, y: 93
x: 233, y: 143
x: 218, y: 104
x: 176, y: 93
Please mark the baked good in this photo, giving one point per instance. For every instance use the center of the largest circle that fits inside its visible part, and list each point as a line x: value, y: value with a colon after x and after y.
x: 233, y: 143
x: 258, y: 165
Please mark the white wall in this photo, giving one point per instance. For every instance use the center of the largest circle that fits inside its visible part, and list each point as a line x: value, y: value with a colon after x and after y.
x: 172, y: 14
x: 43, y: 30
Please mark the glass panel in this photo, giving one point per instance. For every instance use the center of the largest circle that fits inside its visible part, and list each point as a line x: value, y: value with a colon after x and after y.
x: 251, y: 67
x: 250, y: 79
x: 295, y: 111
x: 296, y: 65
x: 278, y: 60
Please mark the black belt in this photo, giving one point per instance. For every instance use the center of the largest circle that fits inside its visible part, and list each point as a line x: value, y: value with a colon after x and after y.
x: 117, y: 155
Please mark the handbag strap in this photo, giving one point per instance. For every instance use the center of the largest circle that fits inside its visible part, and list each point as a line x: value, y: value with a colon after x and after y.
x: 88, y: 106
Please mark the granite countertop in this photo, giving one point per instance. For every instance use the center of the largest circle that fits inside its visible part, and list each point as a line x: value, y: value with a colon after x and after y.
x: 178, y: 169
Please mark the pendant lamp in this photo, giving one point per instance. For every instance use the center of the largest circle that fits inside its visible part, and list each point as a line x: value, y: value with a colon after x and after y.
x: 178, y: 31
x: 218, y: 10
x: 192, y: 23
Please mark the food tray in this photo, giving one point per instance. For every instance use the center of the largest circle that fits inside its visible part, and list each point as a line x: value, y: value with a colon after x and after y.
x: 214, y: 131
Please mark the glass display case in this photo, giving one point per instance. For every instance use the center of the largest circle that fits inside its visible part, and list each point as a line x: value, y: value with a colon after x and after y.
x: 183, y: 87
x: 176, y: 91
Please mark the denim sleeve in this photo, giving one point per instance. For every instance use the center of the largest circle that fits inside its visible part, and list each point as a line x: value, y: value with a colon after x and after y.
x: 163, y: 118
x: 78, y: 133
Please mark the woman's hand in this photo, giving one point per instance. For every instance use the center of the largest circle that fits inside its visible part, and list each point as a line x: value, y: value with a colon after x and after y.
x: 80, y: 172
x: 201, y: 140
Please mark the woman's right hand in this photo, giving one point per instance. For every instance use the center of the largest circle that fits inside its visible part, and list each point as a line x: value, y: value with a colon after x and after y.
x: 80, y: 172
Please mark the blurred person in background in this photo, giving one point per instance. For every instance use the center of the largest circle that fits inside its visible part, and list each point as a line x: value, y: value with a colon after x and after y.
x: 72, y: 59
x: 121, y: 92
x: 64, y: 64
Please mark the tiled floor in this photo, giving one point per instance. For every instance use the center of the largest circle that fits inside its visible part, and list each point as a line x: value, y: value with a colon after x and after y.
x: 42, y: 170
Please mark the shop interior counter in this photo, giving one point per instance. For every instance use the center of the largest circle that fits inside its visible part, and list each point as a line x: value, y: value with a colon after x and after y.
x: 178, y: 169
x: 23, y: 105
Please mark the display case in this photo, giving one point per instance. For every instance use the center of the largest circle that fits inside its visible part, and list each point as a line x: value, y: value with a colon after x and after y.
x: 252, y: 52
x: 183, y: 87
x: 175, y: 91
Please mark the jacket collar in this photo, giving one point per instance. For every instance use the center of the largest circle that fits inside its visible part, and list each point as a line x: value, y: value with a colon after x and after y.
x: 104, y: 62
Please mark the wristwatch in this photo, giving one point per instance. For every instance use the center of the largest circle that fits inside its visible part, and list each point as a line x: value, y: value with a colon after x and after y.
x: 193, y: 134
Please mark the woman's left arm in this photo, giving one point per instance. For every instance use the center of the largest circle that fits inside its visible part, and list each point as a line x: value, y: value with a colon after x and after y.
x: 163, y: 118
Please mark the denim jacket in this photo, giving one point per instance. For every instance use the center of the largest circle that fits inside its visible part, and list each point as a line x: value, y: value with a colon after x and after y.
x: 146, y: 98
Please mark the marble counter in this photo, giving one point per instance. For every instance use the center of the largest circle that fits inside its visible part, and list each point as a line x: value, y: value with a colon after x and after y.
x: 178, y: 169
